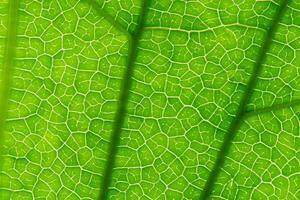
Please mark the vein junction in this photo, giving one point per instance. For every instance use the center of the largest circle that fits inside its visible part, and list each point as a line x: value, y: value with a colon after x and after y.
x: 241, y: 113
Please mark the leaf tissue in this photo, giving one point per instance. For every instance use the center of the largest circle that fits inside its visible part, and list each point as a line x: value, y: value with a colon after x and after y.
x: 150, y: 99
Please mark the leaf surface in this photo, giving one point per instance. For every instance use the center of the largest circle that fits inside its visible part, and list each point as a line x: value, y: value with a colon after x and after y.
x: 150, y: 100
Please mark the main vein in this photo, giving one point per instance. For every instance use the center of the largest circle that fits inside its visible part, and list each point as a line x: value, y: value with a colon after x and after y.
x: 8, y: 62
x: 235, y: 124
x: 123, y: 100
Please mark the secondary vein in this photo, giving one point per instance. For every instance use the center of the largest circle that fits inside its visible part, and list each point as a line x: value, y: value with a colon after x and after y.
x: 107, y: 17
x: 275, y: 107
x: 235, y: 124
x: 8, y: 63
x: 123, y: 100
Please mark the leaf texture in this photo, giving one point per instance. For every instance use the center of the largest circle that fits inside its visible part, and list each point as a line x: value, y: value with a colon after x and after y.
x: 141, y: 99
x: 263, y: 162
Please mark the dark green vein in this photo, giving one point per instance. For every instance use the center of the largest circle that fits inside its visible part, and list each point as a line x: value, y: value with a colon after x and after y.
x: 273, y: 108
x: 8, y: 63
x: 107, y: 17
x: 236, y: 122
x: 123, y: 100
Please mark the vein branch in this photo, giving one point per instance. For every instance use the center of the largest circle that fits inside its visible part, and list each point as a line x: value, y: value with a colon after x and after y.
x: 240, y: 115
x: 123, y: 100
x: 8, y: 62
x: 273, y: 108
x: 108, y: 17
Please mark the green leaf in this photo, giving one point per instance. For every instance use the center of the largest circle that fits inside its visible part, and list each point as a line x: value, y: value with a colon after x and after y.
x: 263, y: 161
x: 140, y: 99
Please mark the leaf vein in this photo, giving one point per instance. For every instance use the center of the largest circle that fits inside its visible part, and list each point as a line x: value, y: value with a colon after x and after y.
x: 107, y: 17
x: 272, y: 108
x: 241, y: 112
x: 8, y: 63
x: 123, y: 100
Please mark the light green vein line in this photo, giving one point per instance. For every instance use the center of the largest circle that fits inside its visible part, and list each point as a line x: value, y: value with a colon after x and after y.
x: 123, y: 100
x: 272, y: 108
x: 235, y: 124
x: 8, y: 64
x: 107, y: 17
x: 221, y: 26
